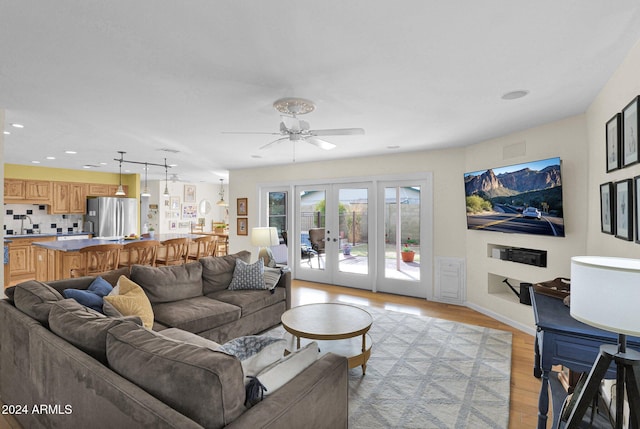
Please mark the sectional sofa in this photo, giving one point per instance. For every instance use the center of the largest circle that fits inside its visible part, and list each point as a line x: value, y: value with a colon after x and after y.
x: 63, y: 364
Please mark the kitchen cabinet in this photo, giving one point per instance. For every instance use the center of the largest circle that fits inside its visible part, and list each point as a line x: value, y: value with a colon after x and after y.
x: 14, y: 189
x: 38, y: 190
x: 68, y: 198
x: 104, y: 190
x: 44, y: 264
x: 22, y: 259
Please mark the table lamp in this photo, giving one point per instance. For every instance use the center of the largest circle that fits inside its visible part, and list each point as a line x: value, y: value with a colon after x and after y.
x: 264, y: 237
x: 605, y: 293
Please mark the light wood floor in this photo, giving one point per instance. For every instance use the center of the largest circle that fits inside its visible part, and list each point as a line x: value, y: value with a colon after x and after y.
x: 524, y: 386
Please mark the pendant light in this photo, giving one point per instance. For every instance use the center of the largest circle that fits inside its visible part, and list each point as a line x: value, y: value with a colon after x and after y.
x: 222, y: 202
x: 120, y: 191
x: 166, y: 180
x: 145, y: 191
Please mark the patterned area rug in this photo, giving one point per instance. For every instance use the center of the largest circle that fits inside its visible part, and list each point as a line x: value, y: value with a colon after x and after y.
x: 431, y: 373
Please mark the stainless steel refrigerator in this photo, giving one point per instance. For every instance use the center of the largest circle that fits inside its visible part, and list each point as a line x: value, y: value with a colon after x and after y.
x: 112, y: 217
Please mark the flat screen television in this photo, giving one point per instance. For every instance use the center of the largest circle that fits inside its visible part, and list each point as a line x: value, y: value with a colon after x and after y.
x: 523, y: 198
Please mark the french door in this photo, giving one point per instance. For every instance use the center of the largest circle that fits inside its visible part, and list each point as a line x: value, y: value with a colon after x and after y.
x: 334, y: 225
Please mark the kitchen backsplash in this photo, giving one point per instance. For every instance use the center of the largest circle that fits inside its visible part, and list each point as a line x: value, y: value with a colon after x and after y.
x: 38, y: 220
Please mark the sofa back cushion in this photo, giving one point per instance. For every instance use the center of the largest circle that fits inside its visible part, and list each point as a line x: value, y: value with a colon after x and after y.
x: 217, y: 271
x: 35, y: 299
x: 83, y: 327
x: 202, y: 384
x: 172, y: 283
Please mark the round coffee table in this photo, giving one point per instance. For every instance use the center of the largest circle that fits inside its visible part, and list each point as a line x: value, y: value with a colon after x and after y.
x: 336, y: 327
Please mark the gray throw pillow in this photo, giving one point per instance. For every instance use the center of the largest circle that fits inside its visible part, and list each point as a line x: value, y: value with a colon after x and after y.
x: 248, y: 276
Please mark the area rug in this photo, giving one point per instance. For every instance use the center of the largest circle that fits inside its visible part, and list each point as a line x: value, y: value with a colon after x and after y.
x: 431, y: 373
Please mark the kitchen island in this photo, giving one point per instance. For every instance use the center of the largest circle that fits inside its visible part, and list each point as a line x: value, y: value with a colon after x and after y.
x: 56, y: 259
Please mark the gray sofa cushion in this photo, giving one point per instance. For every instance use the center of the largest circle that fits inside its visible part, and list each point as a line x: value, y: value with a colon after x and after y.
x: 202, y: 384
x: 250, y: 301
x: 217, y: 271
x: 35, y: 299
x: 83, y: 327
x: 166, y: 284
x: 195, y: 314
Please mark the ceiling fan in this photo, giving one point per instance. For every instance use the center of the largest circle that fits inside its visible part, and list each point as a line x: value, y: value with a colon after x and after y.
x: 294, y: 129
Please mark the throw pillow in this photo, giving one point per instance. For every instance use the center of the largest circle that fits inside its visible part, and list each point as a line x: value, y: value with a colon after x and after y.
x: 271, y: 277
x: 217, y: 271
x: 254, y: 352
x: 92, y: 296
x: 280, y: 372
x: 132, y: 301
x: 248, y: 276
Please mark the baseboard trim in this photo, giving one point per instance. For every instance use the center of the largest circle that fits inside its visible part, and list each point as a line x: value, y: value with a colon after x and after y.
x: 524, y: 328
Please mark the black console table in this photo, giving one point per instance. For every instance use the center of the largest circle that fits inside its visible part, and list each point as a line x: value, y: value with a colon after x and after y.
x: 562, y: 340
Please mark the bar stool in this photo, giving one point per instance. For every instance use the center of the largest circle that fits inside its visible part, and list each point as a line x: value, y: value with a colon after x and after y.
x: 206, y: 246
x: 177, y: 250
x: 98, y: 259
x: 141, y: 253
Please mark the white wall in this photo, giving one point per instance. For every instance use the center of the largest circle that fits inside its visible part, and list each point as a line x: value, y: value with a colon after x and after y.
x: 623, y: 86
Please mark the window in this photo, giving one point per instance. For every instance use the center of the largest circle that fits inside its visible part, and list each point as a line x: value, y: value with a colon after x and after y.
x: 277, y: 211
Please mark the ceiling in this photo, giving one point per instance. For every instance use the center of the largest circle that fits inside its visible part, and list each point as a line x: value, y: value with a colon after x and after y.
x: 165, y: 79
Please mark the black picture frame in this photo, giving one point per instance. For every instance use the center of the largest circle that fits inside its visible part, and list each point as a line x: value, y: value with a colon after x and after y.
x: 636, y: 200
x: 630, y: 126
x: 624, y: 209
x: 613, y: 130
x: 607, y: 213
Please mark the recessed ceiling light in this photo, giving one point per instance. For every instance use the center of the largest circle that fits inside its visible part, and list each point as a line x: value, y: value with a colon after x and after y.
x: 17, y: 125
x: 515, y: 94
x: 35, y: 162
x: 51, y: 157
x: 86, y: 166
x: 256, y: 156
x: 393, y: 147
x: 103, y: 163
x: 70, y: 152
x: 6, y: 133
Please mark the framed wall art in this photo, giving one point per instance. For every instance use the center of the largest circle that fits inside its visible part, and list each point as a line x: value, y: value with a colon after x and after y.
x: 189, y: 193
x: 614, y: 138
x: 189, y: 211
x: 607, y: 215
x: 174, y: 203
x: 624, y: 209
x: 636, y: 200
x: 243, y: 209
x: 630, y: 123
x: 242, y: 226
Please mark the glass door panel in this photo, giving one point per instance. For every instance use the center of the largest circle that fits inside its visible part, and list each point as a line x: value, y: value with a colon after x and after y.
x: 402, y: 232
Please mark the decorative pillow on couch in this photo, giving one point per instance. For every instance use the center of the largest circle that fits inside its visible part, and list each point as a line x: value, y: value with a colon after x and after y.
x: 248, y: 276
x: 280, y: 372
x: 255, y: 352
x: 131, y: 301
x: 92, y: 297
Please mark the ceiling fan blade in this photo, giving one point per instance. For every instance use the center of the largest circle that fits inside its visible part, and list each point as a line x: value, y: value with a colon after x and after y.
x: 320, y: 143
x: 273, y: 142
x: 337, y: 132
x: 249, y: 132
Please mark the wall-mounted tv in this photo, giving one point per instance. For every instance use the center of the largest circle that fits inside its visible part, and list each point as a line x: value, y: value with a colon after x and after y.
x: 523, y: 198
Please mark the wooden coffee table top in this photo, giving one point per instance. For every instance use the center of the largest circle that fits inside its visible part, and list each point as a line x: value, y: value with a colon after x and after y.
x: 326, y: 321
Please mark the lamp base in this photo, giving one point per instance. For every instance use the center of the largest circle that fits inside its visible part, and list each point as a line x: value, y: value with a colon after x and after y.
x: 628, y: 375
x: 267, y: 257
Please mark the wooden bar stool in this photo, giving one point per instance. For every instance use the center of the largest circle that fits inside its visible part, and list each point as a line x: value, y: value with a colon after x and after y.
x: 98, y: 259
x: 206, y: 246
x: 177, y: 250
x: 141, y: 253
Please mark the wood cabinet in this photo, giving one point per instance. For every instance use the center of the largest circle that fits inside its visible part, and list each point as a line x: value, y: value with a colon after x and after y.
x: 38, y: 190
x: 104, y: 190
x: 23, y: 260
x: 68, y: 198
x: 14, y: 189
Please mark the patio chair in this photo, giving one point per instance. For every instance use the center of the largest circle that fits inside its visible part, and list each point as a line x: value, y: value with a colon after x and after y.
x: 316, y: 237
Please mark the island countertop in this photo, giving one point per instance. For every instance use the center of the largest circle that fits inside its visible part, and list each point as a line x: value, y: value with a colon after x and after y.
x: 75, y: 245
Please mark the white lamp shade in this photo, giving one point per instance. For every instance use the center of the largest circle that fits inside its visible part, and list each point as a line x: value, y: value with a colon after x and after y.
x: 605, y: 293
x: 264, y: 236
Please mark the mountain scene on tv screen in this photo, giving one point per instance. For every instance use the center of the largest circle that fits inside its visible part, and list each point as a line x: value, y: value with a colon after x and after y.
x: 524, y: 198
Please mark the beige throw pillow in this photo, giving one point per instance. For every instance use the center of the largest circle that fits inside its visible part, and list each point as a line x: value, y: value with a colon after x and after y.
x: 132, y: 301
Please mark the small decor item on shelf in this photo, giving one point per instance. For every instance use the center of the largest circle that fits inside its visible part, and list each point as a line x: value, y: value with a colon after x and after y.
x: 557, y: 288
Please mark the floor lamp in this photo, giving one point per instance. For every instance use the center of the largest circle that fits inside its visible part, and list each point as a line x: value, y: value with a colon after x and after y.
x: 605, y: 293
x: 264, y: 237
